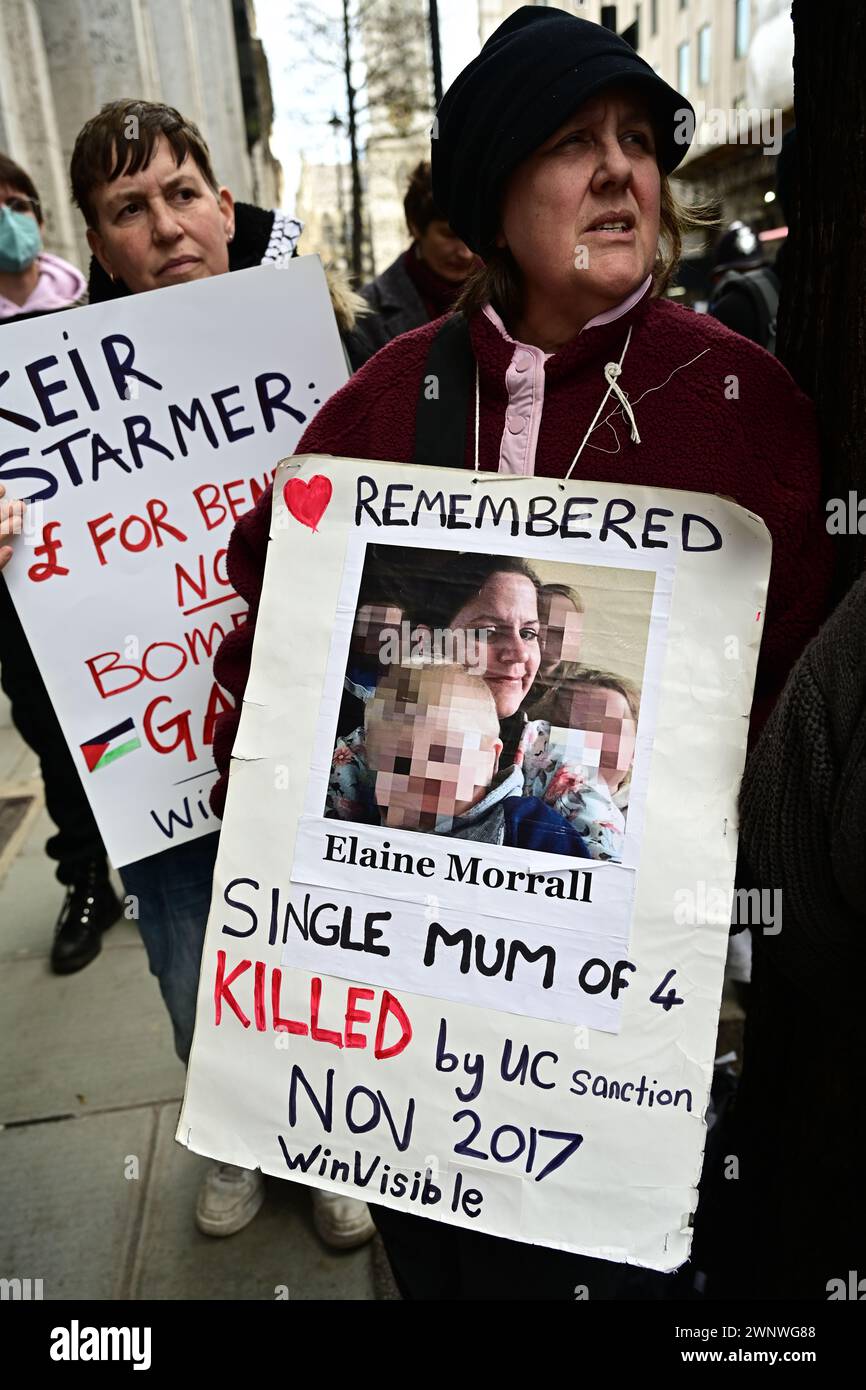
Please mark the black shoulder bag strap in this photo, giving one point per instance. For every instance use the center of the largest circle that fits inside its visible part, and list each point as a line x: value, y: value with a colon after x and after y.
x: 443, y: 397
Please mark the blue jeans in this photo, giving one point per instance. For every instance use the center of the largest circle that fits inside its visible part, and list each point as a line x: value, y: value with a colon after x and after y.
x: 173, y: 889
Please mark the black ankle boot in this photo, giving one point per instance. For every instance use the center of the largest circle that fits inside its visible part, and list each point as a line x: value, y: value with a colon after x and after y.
x: 91, y: 907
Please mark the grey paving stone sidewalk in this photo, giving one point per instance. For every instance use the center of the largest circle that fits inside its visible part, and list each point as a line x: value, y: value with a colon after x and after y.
x: 90, y: 1081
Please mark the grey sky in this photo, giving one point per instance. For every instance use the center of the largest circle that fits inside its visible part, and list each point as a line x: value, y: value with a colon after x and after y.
x: 306, y: 93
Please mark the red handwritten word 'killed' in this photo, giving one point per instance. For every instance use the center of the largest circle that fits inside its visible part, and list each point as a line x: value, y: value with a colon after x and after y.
x: 346, y: 1035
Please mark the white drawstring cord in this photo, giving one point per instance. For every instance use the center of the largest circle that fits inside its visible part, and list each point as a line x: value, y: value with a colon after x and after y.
x: 611, y: 372
x: 477, y: 409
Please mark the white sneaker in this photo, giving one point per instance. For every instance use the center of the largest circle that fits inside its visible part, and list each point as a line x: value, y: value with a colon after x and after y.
x: 228, y: 1199
x: 342, y: 1222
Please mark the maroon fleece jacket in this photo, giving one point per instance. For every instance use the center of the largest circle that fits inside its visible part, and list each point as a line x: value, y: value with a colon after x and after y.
x: 715, y: 414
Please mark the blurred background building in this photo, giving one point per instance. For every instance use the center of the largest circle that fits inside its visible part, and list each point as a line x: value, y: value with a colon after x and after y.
x: 400, y: 94
x: 389, y: 41
x: 322, y: 204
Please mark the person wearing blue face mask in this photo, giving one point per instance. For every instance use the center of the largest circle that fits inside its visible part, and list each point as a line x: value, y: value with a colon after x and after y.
x: 32, y: 281
x: 20, y: 237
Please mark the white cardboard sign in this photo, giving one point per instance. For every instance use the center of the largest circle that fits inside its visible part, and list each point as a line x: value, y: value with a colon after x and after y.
x: 142, y: 428
x: 502, y: 1018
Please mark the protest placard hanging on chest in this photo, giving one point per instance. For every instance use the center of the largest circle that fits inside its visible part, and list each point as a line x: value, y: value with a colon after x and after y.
x: 141, y: 429
x: 471, y: 906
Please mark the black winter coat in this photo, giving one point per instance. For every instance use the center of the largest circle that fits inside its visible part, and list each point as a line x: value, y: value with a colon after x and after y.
x: 800, y: 1107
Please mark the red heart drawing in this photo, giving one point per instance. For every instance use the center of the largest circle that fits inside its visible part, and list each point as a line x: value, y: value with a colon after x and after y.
x: 308, y: 502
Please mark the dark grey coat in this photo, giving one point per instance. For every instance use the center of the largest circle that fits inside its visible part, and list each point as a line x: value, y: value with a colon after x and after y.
x: 397, y: 306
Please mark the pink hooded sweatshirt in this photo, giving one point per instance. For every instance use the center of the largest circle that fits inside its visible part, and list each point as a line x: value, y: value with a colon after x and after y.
x: 60, y: 286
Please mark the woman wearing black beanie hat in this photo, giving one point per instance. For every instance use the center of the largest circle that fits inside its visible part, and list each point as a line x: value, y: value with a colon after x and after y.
x: 551, y: 155
x: 533, y: 73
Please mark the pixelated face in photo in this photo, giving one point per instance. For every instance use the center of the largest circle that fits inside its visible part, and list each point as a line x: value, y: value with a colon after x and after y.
x: 607, y: 725
x: 580, y: 747
x: 432, y: 759
x: 561, y: 630
x: 373, y: 623
x: 503, y: 616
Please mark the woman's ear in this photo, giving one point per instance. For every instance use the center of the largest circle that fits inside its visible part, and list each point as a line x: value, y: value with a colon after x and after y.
x: 227, y: 210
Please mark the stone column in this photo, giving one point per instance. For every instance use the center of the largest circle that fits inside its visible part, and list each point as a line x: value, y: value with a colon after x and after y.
x: 176, y: 50
x: 29, y: 131
x: 97, y: 51
x: 223, y: 124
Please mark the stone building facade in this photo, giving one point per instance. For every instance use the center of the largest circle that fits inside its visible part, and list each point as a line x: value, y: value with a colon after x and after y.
x: 60, y: 60
x: 321, y: 203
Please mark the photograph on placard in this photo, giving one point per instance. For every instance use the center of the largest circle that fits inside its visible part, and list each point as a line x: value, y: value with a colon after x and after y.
x: 492, y: 698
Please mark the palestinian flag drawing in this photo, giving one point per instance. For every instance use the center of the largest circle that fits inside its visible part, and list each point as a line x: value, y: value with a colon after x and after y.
x: 106, y: 748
